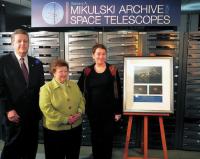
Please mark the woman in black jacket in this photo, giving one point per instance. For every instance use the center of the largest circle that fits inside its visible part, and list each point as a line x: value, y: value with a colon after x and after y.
x: 101, y: 86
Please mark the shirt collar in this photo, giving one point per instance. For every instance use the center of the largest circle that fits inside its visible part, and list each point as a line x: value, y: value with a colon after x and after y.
x: 57, y: 84
x: 18, y: 57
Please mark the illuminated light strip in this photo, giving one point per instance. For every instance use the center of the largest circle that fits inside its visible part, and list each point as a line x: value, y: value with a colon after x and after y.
x: 189, y: 7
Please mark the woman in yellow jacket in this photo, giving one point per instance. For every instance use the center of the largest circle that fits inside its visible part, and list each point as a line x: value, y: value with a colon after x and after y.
x: 62, y: 105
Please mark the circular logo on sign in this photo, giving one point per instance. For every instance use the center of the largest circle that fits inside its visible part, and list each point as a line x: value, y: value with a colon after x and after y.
x: 52, y: 13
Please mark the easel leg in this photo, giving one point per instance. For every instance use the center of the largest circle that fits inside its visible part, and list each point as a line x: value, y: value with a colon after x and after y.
x: 162, y: 132
x: 145, y: 137
x: 128, y: 134
x: 142, y: 137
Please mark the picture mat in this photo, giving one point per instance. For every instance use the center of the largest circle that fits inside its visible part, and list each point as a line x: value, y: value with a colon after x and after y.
x: 166, y: 63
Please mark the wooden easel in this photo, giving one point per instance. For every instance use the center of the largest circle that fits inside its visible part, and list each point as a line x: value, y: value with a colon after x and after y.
x: 145, y: 148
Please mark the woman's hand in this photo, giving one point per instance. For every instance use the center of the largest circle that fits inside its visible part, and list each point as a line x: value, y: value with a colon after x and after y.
x: 117, y: 117
x: 73, y: 118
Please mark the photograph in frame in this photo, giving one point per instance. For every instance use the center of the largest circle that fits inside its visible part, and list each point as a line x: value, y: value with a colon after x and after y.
x: 148, y: 84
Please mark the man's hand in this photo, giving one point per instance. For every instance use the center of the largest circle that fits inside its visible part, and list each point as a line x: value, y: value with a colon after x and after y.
x: 13, y: 116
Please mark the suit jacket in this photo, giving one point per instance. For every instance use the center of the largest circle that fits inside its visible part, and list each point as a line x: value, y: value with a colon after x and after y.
x: 15, y: 93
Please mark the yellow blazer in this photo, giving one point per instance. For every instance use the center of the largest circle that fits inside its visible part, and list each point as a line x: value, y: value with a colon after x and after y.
x: 59, y: 101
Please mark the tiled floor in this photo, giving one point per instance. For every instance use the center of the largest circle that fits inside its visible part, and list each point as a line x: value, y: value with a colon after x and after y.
x: 118, y: 153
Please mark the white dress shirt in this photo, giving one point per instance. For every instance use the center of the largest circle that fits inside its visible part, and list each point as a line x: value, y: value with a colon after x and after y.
x: 25, y: 60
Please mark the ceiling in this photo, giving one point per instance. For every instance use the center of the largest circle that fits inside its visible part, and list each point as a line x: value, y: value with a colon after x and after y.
x: 18, y: 12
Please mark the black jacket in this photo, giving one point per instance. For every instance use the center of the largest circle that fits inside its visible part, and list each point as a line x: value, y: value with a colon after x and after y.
x: 84, y: 82
x: 15, y: 93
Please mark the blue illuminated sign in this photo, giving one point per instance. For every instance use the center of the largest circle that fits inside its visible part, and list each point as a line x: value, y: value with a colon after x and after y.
x: 85, y: 13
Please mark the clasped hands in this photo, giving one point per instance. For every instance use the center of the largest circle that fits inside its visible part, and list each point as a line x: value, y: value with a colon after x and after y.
x: 73, y: 118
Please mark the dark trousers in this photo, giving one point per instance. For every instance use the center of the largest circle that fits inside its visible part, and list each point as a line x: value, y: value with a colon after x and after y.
x: 101, y: 137
x: 21, y: 140
x: 62, y: 144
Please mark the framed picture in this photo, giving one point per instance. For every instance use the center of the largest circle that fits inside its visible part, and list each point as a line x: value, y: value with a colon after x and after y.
x: 148, y: 84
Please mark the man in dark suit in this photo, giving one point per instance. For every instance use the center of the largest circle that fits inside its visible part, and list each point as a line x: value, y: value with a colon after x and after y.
x: 21, y: 77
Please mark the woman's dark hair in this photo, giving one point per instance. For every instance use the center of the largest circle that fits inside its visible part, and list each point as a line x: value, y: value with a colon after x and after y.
x: 58, y: 63
x: 101, y: 46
